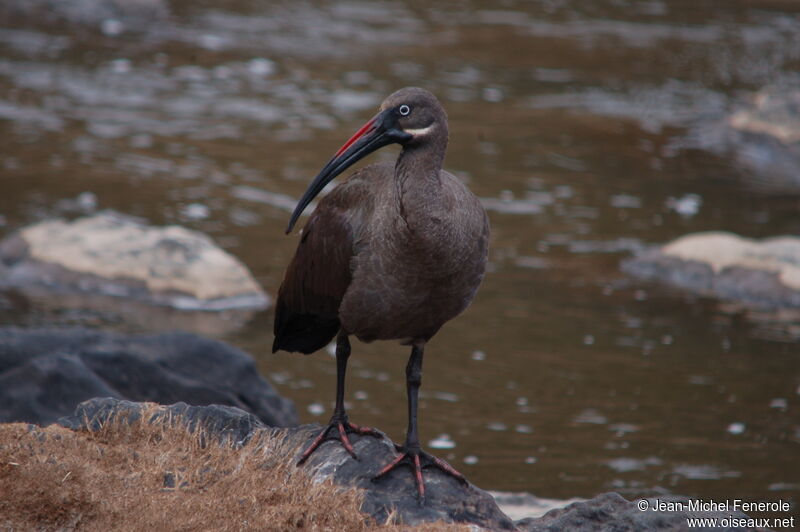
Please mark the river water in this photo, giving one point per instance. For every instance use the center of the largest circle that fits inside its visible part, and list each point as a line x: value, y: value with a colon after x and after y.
x: 586, y: 127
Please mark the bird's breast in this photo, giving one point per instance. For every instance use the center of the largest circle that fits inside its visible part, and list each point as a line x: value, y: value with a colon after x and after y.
x: 415, y: 270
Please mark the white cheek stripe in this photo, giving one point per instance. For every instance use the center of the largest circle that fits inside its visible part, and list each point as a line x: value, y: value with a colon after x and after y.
x: 417, y: 132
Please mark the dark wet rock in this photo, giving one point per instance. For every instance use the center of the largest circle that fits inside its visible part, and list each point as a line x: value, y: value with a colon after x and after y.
x: 765, y: 135
x: 447, y: 499
x: 116, y: 255
x: 611, y: 511
x: 46, y: 373
x: 764, y: 273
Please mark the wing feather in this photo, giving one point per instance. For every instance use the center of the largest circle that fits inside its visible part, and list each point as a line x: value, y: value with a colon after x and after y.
x: 307, y: 310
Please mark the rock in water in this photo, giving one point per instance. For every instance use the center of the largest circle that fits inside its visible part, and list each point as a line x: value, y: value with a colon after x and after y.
x: 117, y: 255
x: 761, y: 272
x: 611, y: 511
x: 765, y: 135
x: 46, y: 373
x: 775, y: 111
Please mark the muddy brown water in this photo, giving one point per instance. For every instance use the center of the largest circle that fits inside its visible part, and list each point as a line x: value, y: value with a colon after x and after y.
x: 586, y: 128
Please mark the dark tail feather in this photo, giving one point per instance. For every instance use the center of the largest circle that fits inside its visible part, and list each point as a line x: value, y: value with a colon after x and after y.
x: 305, y: 333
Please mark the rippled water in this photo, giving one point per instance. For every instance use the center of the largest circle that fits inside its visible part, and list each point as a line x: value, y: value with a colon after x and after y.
x: 590, y: 131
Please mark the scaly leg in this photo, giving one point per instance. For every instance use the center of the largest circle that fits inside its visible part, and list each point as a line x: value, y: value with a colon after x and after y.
x: 339, y: 427
x: 411, y: 452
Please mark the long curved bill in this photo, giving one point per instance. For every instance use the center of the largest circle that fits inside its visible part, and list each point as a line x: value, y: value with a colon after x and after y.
x: 378, y: 132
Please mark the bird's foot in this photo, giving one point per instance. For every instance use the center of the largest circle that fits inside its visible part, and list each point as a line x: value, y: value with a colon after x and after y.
x: 338, y: 428
x: 417, y: 460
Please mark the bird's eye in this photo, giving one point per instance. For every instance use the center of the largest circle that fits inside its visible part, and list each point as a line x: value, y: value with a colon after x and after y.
x: 404, y: 110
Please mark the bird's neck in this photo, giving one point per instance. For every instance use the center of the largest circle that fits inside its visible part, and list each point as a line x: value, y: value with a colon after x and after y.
x: 418, y: 177
x: 420, y: 164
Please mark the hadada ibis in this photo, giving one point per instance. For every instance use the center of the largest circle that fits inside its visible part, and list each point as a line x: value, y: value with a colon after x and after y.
x: 392, y: 253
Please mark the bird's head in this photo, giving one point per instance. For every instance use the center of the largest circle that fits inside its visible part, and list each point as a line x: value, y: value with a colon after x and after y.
x: 409, y: 117
x: 417, y: 113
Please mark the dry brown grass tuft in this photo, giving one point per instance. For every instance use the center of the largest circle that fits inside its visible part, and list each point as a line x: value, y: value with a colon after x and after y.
x: 159, y: 476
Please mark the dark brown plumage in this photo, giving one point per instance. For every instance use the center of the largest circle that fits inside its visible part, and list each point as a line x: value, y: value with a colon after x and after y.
x: 392, y: 253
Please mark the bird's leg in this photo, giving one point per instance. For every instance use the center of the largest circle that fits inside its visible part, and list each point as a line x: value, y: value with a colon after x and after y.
x: 411, y: 452
x: 339, y: 427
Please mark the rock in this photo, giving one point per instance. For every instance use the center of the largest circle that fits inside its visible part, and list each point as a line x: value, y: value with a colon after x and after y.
x: 45, y: 373
x: 764, y: 273
x: 117, y: 255
x: 765, y: 135
x: 447, y: 499
x: 775, y: 112
x: 226, y: 423
x: 611, y: 511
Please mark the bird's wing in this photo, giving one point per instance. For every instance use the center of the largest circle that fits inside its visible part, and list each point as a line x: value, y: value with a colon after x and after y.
x: 307, y: 310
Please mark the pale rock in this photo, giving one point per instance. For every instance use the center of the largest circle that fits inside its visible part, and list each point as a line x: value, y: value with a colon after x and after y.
x: 764, y: 272
x: 118, y: 255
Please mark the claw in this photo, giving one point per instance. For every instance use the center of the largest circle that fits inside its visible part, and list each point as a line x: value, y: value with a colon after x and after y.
x: 418, y: 475
x: 389, y: 467
x: 346, y: 441
x: 418, y: 460
x: 313, y: 447
x: 342, y: 429
x: 447, y: 468
x: 364, y: 431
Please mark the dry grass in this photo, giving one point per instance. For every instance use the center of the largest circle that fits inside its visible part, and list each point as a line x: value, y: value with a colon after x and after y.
x: 159, y: 476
